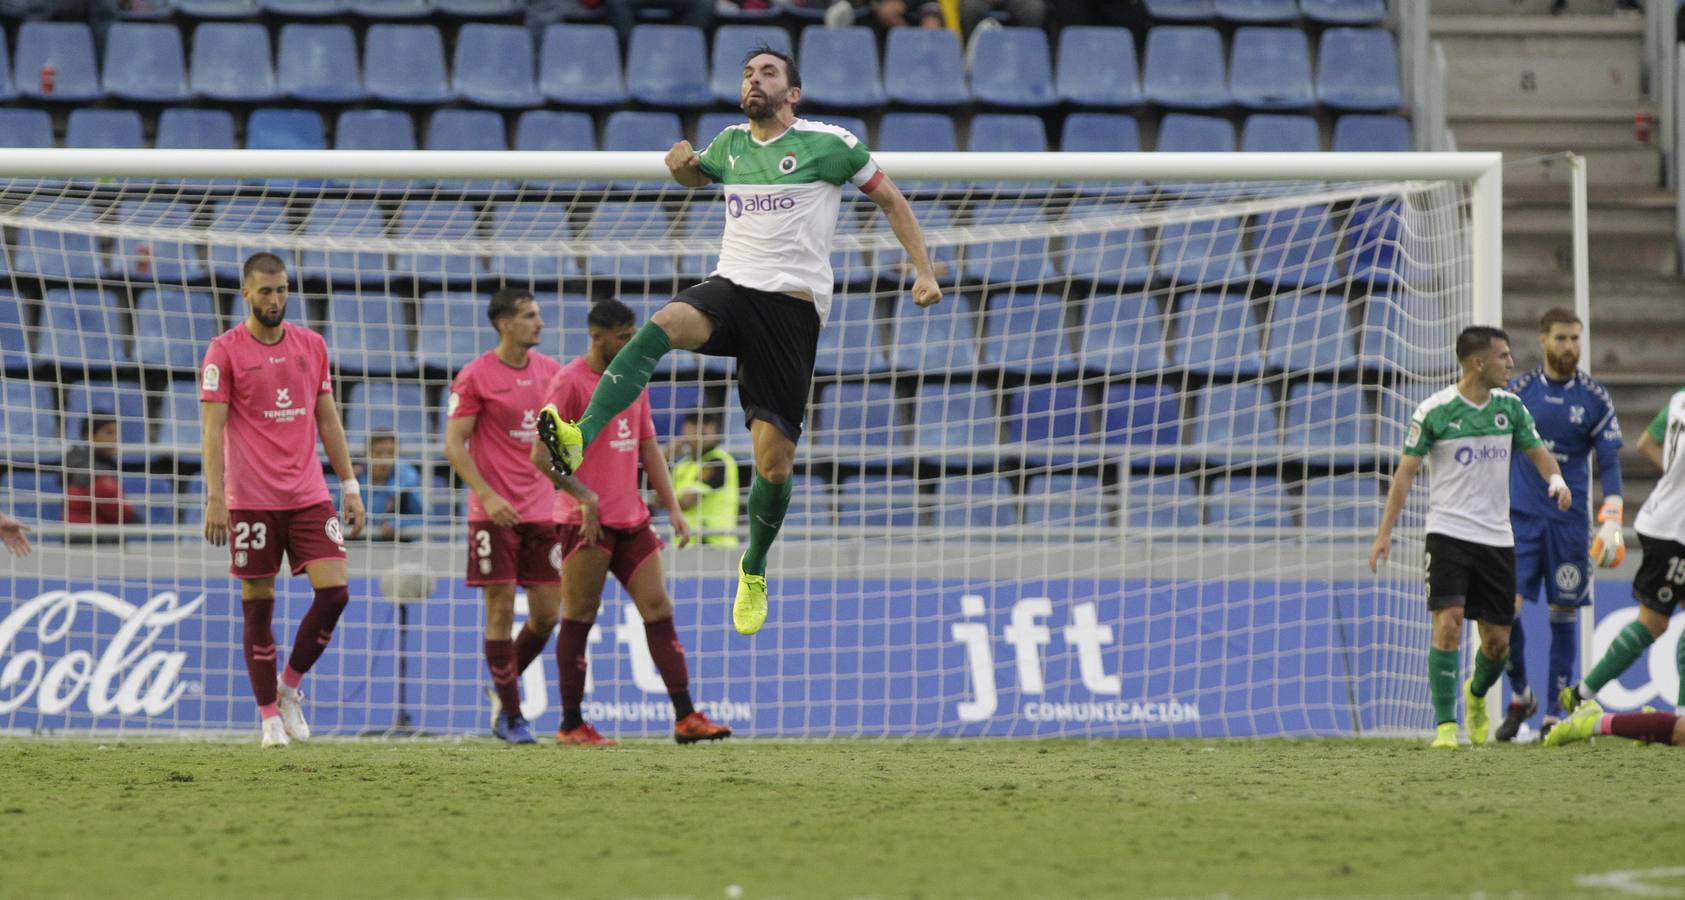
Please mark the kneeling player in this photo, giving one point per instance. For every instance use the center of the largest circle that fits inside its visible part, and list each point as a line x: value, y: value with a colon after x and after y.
x: 615, y: 535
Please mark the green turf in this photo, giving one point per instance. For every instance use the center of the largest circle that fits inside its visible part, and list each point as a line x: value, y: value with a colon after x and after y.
x: 847, y: 818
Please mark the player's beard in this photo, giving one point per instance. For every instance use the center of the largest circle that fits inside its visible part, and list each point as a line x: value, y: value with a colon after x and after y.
x: 763, y: 109
x: 271, y: 319
x: 1564, y: 362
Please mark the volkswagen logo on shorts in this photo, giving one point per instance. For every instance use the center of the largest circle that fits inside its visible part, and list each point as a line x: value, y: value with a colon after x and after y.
x: 335, y: 534
x: 1568, y: 578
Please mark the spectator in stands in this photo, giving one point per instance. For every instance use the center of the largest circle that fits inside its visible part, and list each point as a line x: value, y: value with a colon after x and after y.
x: 622, y: 14
x: 15, y: 535
x: 92, y: 487
x: 907, y: 13
x: 394, y: 492
x: 1027, y: 13
x: 705, y: 480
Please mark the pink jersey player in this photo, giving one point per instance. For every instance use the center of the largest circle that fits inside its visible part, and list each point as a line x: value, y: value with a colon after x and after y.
x: 504, y: 401
x: 612, y: 471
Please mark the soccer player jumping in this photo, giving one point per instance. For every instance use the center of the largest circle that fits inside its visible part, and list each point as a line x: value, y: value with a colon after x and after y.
x: 1468, y: 432
x: 265, y: 394
x: 768, y: 299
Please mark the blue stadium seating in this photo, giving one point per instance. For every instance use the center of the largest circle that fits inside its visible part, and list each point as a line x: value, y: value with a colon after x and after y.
x: 494, y: 66
x: 879, y: 501
x: 467, y: 129
x: 81, y: 329
x: 244, y: 215
x: 1296, y: 247
x: 849, y: 343
x: 1013, y: 260
x: 1007, y: 132
x: 29, y: 415
x: 1066, y: 501
x: 1162, y: 501
x: 1377, y: 233
x: 25, y: 128
x: 391, y: 9
x: 318, y: 64
x: 1216, y: 334
x: 1326, y: 420
x: 399, y: 408
x: 1100, y: 133
x: 944, y: 259
x: 1345, y: 12
x: 180, y: 128
x: 1258, y: 11
x: 57, y: 255
x: 1043, y: 413
x: 216, y: 9
x: 1309, y: 332
x: 406, y: 64
x: 305, y: 8
x: 1184, y: 133
x: 941, y: 340
x: 811, y: 505
x: 1270, y: 68
x: 178, y: 422
x: 144, y: 63
x: 667, y: 66
x: 1182, y: 10
x: 1273, y: 133
x: 35, y: 496
x: 452, y: 330
x: 623, y: 221
x: 125, y: 399
x: 1357, y: 68
x: 1107, y: 259
x: 1398, y: 403
x: 145, y: 260
x: 231, y: 63
x: 1011, y: 67
x: 709, y: 125
x: 104, y: 128
x: 641, y: 131
x: 857, y: 415
x: 1360, y: 133
x: 977, y: 501
x: 369, y: 335
x: 174, y: 326
x: 1184, y: 68
x: 1407, y: 332
x: 1025, y: 334
x: 346, y: 219
x: 1204, y: 253
x: 1097, y: 67
x: 955, y: 416
x: 922, y: 67
x: 436, y: 219
x: 1244, y: 414
x: 14, y: 334
x: 375, y: 129
x: 908, y: 131
x: 579, y: 65
x: 669, y: 403
x: 1239, y: 501
x: 706, y: 231
x: 1350, y: 501
x: 8, y: 87
x: 840, y: 68
x: 68, y: 47
x: 286, y: 129
x: 1141, y: 414
x: 849, y: 267
x: 537, y: 223
x: 540, y: 129
x: 564, y: 315
x: 1122, y: 334
x: 733, y: 42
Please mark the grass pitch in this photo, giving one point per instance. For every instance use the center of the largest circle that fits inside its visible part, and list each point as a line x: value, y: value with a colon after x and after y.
x: 848, y: 818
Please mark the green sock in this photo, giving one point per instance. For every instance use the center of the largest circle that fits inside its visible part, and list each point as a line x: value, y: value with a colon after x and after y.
x: 625, y: 379
x: 1442, y: 684
x: 1629, y: 645
x: 1487, y: 671
x: 767, y: 504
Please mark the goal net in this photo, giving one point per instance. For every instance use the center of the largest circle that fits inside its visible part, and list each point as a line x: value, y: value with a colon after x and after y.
x: 1120, y: 481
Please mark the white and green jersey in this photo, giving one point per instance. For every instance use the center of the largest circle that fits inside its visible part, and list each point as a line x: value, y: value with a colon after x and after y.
x: 1468, y: 449
x: 781, y: 202
x: 1663, y: 515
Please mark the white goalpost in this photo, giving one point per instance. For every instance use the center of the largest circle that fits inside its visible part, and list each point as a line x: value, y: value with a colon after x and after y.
x: 1120, y: 482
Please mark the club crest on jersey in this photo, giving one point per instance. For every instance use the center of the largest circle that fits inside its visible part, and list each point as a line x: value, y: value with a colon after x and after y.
x: 455, y: 401
x: 624, y: 429
x: 1576, y: 415
x: 335, y: 533
x: 787, y: 164
x: 1568, y: 578
x: 1500, y: 420
x: 211, y: 379
x: 283, y: 398
x: 529, y: 420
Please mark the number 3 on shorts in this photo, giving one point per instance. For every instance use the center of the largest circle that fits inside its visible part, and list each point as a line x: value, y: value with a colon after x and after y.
x: 482, y: 544
x: 250, y: 535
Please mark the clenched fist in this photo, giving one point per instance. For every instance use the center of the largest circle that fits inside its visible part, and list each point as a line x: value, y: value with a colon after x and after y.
x: 682, y: 156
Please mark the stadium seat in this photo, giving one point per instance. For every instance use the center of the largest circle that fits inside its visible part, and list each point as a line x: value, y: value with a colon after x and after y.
x: 1258, y: 11
x: 1006, y: 132
x: 840, y: 68
x: 1107, y: 259
x: 711, y: 125
x: 1270, y: 68
x: 858, y: 416
x: 173, y: 326
x: 1184, y: 133
x: 922, y: 67
x: 494, y: 66
x: 534, y: 223
x: 1009, y: 261
x: 667, y: 66
x: 406, y: 64
x: 1048, y: 414
x: 1216, y: 335
x: 1296, y: 247
x: 467, y: 129
x: 477, y: 9
x: 1309, y: 332
x: 669, y: 403
x: 144, y: 63
x: 246, y: 216
x: 35, y: 495
x: 1097, y: 67
x: 540, y: 129
x: 305, y: 8
x: 452, y: 330
x: 369, y: 335
x: 1407, y: 332
x: 81, y: 329
x: 811, y: 504
x: 178, y: 421
x: 104, y: 128
x: 1089, y: 132
x: 641, y: 131
x: 623, y: 221
x: 373, y: 129
x: 1141, y: 414
x: 286, y: 129
x: 66, y: 51
x: 1384, y: 250
x: 124, y: 399
x: 343, y: 219
x: 849, y: 344
x: 1357, y: 68
x: 1398, y: 403
x: 1067, y: 501
x: 180, y: 128
x: 941, y: 340
x: 435, y: 220
x: 1182, y: 10
x: 25, y: 128
x: 733, y: 42
x: 1162, y: 501
x: 579, y: 65
x: 705, y: 231
x: 1205, y: 253
x: 391, y: 9
x: 1360, y: 133
x: 1241, y: 501
x: 1351, y: 501
x: 956, y: 416
x: 1122, y: 334
x: 891, y: 262
x: 56, y: 255
x: 1345, y: 12
x: 977, y: 501
x: 911, y: 131
x: 29, y: 415
x: 1011, y: 67
x: 231, y: 63
x: 1273, y: 133
x: 1184, y: 68
x: 14, y: 334
x: 1244, y: 414
x: 879, y: 501
x: 8, y: 87
x: 1025, y: 334
x: 318, y: 64
x: 1327, y: 421
x: 396, y: 407
x: 216, y: 9
x: 145, y: 260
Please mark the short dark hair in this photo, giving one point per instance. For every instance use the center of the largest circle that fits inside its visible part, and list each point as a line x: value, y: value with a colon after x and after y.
x: 792, y: 74
x: 95, y: 422
x: 382, y: 436
x: 610, y: 314
x: 1557, y: 315
x: 503, y: 303
x: 266, y: 263
x: 704, y: 418
x: 1477, y: 338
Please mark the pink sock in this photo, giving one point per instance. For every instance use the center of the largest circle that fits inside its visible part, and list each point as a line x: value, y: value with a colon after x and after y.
x: 268, y: 710
x: 290, y: 678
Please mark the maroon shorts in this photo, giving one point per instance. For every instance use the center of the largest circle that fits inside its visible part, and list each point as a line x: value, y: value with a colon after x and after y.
x: 258, y: 537
x: 627, y: 548
x: 528, y: 553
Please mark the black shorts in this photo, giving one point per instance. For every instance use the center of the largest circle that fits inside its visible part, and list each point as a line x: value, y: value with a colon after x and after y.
x: 1661, y: 574
x: 775, y: 340
x: 1478, y: 577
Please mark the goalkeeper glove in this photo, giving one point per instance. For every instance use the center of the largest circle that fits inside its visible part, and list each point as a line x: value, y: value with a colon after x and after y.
x: 1609, y: 547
